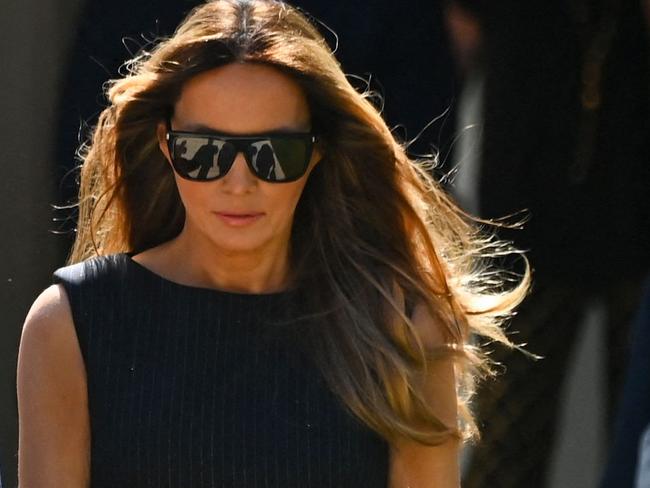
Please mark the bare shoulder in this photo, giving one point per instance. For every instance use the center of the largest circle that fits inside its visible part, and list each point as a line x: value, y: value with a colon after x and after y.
x: 50, y: 314
x: 52, y: 396
x: 48, y: 333
x: 49, y: 330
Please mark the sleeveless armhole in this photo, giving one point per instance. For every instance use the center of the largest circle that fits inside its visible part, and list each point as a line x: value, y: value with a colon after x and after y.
x: 87, y: 284
x: 72, y: 278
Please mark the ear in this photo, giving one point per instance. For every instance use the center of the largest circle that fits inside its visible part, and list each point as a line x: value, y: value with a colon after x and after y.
x: 161, y: 134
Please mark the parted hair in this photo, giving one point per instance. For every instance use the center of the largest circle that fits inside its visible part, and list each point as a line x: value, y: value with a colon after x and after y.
x: 373, y: 230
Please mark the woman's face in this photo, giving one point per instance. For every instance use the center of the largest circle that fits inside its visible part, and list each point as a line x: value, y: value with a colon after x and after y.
x: 239, y: 99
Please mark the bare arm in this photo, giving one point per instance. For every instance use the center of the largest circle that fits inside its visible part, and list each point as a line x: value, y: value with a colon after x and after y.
x: 54, y: 429
x: 414, y: 465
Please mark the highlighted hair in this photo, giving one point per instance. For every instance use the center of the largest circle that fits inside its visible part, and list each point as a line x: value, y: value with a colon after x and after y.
x: 372, y: 233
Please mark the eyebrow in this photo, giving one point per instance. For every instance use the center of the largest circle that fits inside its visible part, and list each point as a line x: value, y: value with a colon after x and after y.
x: 198, y: 127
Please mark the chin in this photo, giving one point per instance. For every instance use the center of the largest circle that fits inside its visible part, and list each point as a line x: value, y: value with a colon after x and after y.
x: 243, y: 243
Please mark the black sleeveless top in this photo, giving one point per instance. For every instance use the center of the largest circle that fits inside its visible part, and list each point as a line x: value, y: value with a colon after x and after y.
x: 190, y: 387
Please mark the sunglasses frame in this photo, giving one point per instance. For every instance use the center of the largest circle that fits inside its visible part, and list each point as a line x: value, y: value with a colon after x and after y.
x: 241, y: 144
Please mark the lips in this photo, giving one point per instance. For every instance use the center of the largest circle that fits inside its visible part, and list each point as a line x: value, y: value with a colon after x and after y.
x: 238, y: 219
x: 235, y: 214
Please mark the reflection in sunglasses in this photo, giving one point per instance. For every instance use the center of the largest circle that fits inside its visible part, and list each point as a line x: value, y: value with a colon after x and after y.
x: 208, y: 157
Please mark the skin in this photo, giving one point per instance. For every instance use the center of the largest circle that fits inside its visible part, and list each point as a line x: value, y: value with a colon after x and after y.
x: 237, y: 99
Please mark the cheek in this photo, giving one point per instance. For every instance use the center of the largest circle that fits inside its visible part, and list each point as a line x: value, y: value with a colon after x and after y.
x: 195, y: 196
x: 284, y: 199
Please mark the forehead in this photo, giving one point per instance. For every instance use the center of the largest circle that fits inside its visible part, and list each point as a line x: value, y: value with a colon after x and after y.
x: 242, y: 98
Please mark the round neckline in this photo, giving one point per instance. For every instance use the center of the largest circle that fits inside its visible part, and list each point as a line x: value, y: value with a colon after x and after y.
x: 216, y: 291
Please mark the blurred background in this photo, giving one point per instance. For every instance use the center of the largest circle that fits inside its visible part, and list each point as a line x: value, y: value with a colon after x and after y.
x: 537, y: 109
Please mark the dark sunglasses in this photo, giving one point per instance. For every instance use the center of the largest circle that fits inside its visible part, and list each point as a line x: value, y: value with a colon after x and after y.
x: 273, y: 157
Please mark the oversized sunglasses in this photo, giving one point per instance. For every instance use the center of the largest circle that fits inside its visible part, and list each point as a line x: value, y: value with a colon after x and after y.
x: 277, y: 157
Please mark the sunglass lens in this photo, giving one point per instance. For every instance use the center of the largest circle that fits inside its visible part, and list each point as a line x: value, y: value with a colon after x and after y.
x: 279, y: 159
x: 202, y: 158
x: 226, y: 157
x: 293, y: 155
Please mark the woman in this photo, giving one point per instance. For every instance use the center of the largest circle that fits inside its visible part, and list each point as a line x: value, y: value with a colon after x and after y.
x: 264, y: 289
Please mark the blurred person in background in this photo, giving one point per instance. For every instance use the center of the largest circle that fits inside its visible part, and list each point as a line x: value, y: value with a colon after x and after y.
x: 628, y: 463
x: 566, y: 137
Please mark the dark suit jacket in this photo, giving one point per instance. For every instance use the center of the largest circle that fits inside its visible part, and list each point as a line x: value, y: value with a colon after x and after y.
x: 589, y: 231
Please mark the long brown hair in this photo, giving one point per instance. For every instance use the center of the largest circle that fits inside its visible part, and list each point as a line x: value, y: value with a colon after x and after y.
x: 373, y: 230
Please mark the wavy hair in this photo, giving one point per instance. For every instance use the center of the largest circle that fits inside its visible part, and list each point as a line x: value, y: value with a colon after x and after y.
x: 373, y: 230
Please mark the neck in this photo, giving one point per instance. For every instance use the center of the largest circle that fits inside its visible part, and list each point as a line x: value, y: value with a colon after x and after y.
x: 201, y: 262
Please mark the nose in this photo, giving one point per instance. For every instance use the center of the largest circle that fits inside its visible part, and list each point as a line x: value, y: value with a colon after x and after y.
x: 239, y: 179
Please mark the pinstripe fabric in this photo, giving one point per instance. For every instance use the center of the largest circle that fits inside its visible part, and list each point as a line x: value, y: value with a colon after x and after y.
x: 189, y: 387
